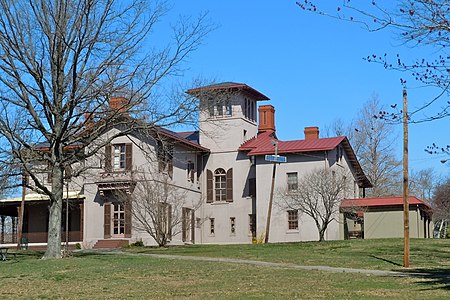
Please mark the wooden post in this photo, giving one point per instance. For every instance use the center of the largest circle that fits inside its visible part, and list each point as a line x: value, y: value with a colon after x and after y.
x: 66, y: 248
x: 405, y: 182
x: 21, y: 212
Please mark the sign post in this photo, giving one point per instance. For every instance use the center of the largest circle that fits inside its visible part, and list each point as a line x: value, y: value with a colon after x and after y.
x: 275, y: 159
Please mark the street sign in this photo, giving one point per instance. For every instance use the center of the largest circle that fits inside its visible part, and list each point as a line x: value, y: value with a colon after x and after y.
x: 276, y: 158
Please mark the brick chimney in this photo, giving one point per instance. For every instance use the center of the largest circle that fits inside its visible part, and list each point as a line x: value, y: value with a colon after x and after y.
x: 266, y: 118
x: 88, y: 119
x: 119, y: 104
x: 311, y: 133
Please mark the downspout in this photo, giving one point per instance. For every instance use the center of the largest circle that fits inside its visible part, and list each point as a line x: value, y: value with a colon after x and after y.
x: 203, y: 184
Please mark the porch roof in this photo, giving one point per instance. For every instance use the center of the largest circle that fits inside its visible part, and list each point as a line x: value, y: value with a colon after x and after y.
x: 40, y: 197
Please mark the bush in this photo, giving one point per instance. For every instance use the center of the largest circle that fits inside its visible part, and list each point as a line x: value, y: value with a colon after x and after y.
x: 138, y: 244
x: 78, y: 246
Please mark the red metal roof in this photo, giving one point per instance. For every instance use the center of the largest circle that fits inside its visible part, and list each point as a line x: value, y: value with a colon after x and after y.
x: 386, y: 201
x: 261, y: 144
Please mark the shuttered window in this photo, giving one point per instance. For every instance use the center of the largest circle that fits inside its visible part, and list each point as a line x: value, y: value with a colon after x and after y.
x: 219, y: 186
x: 118, y: 157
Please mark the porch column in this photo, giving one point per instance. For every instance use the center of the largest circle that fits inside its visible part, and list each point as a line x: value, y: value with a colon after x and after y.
x: 2, y: 241
x: 14, y: 229
x: 81, y: 221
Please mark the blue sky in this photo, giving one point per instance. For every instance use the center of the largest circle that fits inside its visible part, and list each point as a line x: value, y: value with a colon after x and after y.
x: 311, y: 67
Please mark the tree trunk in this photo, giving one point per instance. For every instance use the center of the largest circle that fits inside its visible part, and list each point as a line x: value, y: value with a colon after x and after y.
x: 321, y: 235
x: 54, y: 220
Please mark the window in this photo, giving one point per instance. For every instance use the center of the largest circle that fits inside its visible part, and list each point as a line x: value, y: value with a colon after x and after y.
x: 245, y: 107
x: 190, y: 171
x: 292, y: 219
x: 219, y: 185
x: 220, y: 181
x: 252, y: 224
x: 292, y: 179
x: 119, y: 157
x: 220, y: 107
x: 233, y: 225
x: 211, y: 226
x: 165, y: 158
x: 249, y: 109
x: 228, y: 107
x: 339, y: 153
x: 210, y: 104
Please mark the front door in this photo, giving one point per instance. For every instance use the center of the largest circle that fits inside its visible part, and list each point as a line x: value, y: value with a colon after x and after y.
x: 118, y: 220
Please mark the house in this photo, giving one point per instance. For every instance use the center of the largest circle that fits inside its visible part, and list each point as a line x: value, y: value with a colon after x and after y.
x: 220, y: 169
x: 372, y: 218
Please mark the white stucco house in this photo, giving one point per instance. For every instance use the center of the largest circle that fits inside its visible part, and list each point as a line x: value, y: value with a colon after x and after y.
x: 221, y: 170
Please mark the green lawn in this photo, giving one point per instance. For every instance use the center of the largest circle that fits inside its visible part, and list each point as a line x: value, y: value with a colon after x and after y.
x: 114, y: 276
x: 382, y: 254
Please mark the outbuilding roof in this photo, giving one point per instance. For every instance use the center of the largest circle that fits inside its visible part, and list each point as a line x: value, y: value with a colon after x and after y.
x: 382, y: 201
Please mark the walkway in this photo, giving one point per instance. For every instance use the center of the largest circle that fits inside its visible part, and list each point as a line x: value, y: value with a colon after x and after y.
x: 262, y: 263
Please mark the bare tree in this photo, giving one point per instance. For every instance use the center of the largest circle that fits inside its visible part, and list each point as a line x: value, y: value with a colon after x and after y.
x: 339, y: 127
x: 441, y: 207
x: 60, y: 63
x: 373, y: 141
x: 157, y: 208
x: 422, y: 184
x: 317, y: 195
x: 416, y: 23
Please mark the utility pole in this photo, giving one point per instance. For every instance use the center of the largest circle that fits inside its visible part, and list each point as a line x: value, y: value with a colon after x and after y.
x: 405, y: 182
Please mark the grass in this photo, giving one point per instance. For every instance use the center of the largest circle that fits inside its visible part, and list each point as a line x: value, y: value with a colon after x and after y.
x: 382, y: 254
x: 114, y: 276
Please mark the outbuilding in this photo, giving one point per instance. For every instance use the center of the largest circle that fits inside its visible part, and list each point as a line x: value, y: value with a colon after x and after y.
x: 372, y: 218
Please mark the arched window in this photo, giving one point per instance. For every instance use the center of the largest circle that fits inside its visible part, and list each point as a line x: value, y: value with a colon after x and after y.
x: 220, y: 184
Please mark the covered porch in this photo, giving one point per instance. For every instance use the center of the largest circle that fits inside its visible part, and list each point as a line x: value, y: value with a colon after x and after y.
x: 36, y: 216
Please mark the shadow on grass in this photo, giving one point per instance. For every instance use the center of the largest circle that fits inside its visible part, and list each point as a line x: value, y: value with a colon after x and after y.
x: 431, y: 278
x: 386, y: 260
